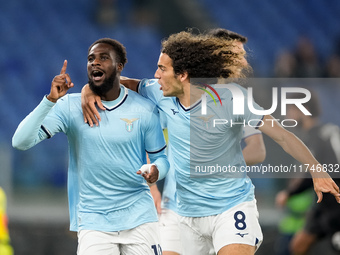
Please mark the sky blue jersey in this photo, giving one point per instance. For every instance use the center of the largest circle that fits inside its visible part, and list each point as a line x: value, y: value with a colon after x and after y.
x: 205, y: 151
x: 169, y: 189
x: 104, y: 191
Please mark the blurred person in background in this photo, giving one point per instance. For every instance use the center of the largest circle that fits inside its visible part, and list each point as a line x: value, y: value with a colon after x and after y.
x: 5, y: 246
x: 295, y: 208
x: 322, y: 219
x: 106, y: 12
x: 238, y: 41
x: 308, y: 63
x: 332, y: 68
x: 285, y: 65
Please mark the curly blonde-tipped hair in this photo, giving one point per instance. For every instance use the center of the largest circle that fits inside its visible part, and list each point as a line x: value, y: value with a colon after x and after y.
x: 201, y: 56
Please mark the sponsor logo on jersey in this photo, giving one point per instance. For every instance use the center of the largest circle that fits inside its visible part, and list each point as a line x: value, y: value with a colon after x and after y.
x: 241, y: 235
x: 174, y: 111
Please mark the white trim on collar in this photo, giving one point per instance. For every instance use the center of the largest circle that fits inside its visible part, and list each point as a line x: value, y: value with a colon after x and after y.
x: 118, y: 103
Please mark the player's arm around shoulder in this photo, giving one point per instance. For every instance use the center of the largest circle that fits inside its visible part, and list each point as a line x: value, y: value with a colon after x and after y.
x: 323, y: 183
x: 89, y: 100
x: 150, y: 88
x: 130, y: 83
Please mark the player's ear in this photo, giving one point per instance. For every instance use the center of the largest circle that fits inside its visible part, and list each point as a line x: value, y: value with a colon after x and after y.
x: 120, y: 67
x: 183, y: 76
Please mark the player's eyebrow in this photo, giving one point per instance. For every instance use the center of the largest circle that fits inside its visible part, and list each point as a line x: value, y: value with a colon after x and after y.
x: 161, y: 67
x: 100, y: 54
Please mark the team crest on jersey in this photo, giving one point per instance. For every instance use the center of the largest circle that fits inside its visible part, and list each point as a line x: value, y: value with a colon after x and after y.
x: 206, y: 120
x: 129, y: 123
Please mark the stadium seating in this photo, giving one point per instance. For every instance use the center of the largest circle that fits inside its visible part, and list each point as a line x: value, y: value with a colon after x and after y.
x: 37, y: 36
x: 35, y: 39
x: 275, y: 25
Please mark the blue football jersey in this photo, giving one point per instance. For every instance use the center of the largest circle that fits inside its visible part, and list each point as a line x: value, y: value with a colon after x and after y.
x: 105, y: 193
x: 206, y: 155
x: 169, y: 189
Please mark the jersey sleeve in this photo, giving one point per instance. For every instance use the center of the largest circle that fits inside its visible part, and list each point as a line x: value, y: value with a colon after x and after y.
x: 249, y: 131
x: 155, y: 144
x: 57, y: 120
x: 150, y: 88
x: 33, y: 128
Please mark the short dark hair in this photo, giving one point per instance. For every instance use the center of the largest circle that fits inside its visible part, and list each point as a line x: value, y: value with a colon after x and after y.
x: 227, y: 35
x: 117, y: 47
x: 201, y: 56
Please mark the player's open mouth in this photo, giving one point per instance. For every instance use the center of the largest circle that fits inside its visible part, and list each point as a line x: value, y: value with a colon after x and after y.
x: 97, y: 75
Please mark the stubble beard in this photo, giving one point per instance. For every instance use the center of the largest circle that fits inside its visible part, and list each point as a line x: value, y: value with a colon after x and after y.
x: 105, y: 87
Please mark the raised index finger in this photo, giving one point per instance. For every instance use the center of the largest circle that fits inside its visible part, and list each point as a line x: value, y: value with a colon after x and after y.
x: 63, y: 69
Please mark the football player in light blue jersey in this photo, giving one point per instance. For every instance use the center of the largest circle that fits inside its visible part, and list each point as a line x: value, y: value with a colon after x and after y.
x: 109, y: 200
x: 254, y: 152
x: 184, y: 154
x: 217, y: 208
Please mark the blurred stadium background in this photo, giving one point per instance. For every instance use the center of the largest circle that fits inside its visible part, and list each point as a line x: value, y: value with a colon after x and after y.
x: 287, y: 38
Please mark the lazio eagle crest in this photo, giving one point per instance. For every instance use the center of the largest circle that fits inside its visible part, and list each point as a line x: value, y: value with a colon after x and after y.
x: 129, y: 123
x: 206, y: 120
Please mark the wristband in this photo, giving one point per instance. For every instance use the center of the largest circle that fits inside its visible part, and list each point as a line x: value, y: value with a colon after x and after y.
x: 145, y: 169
